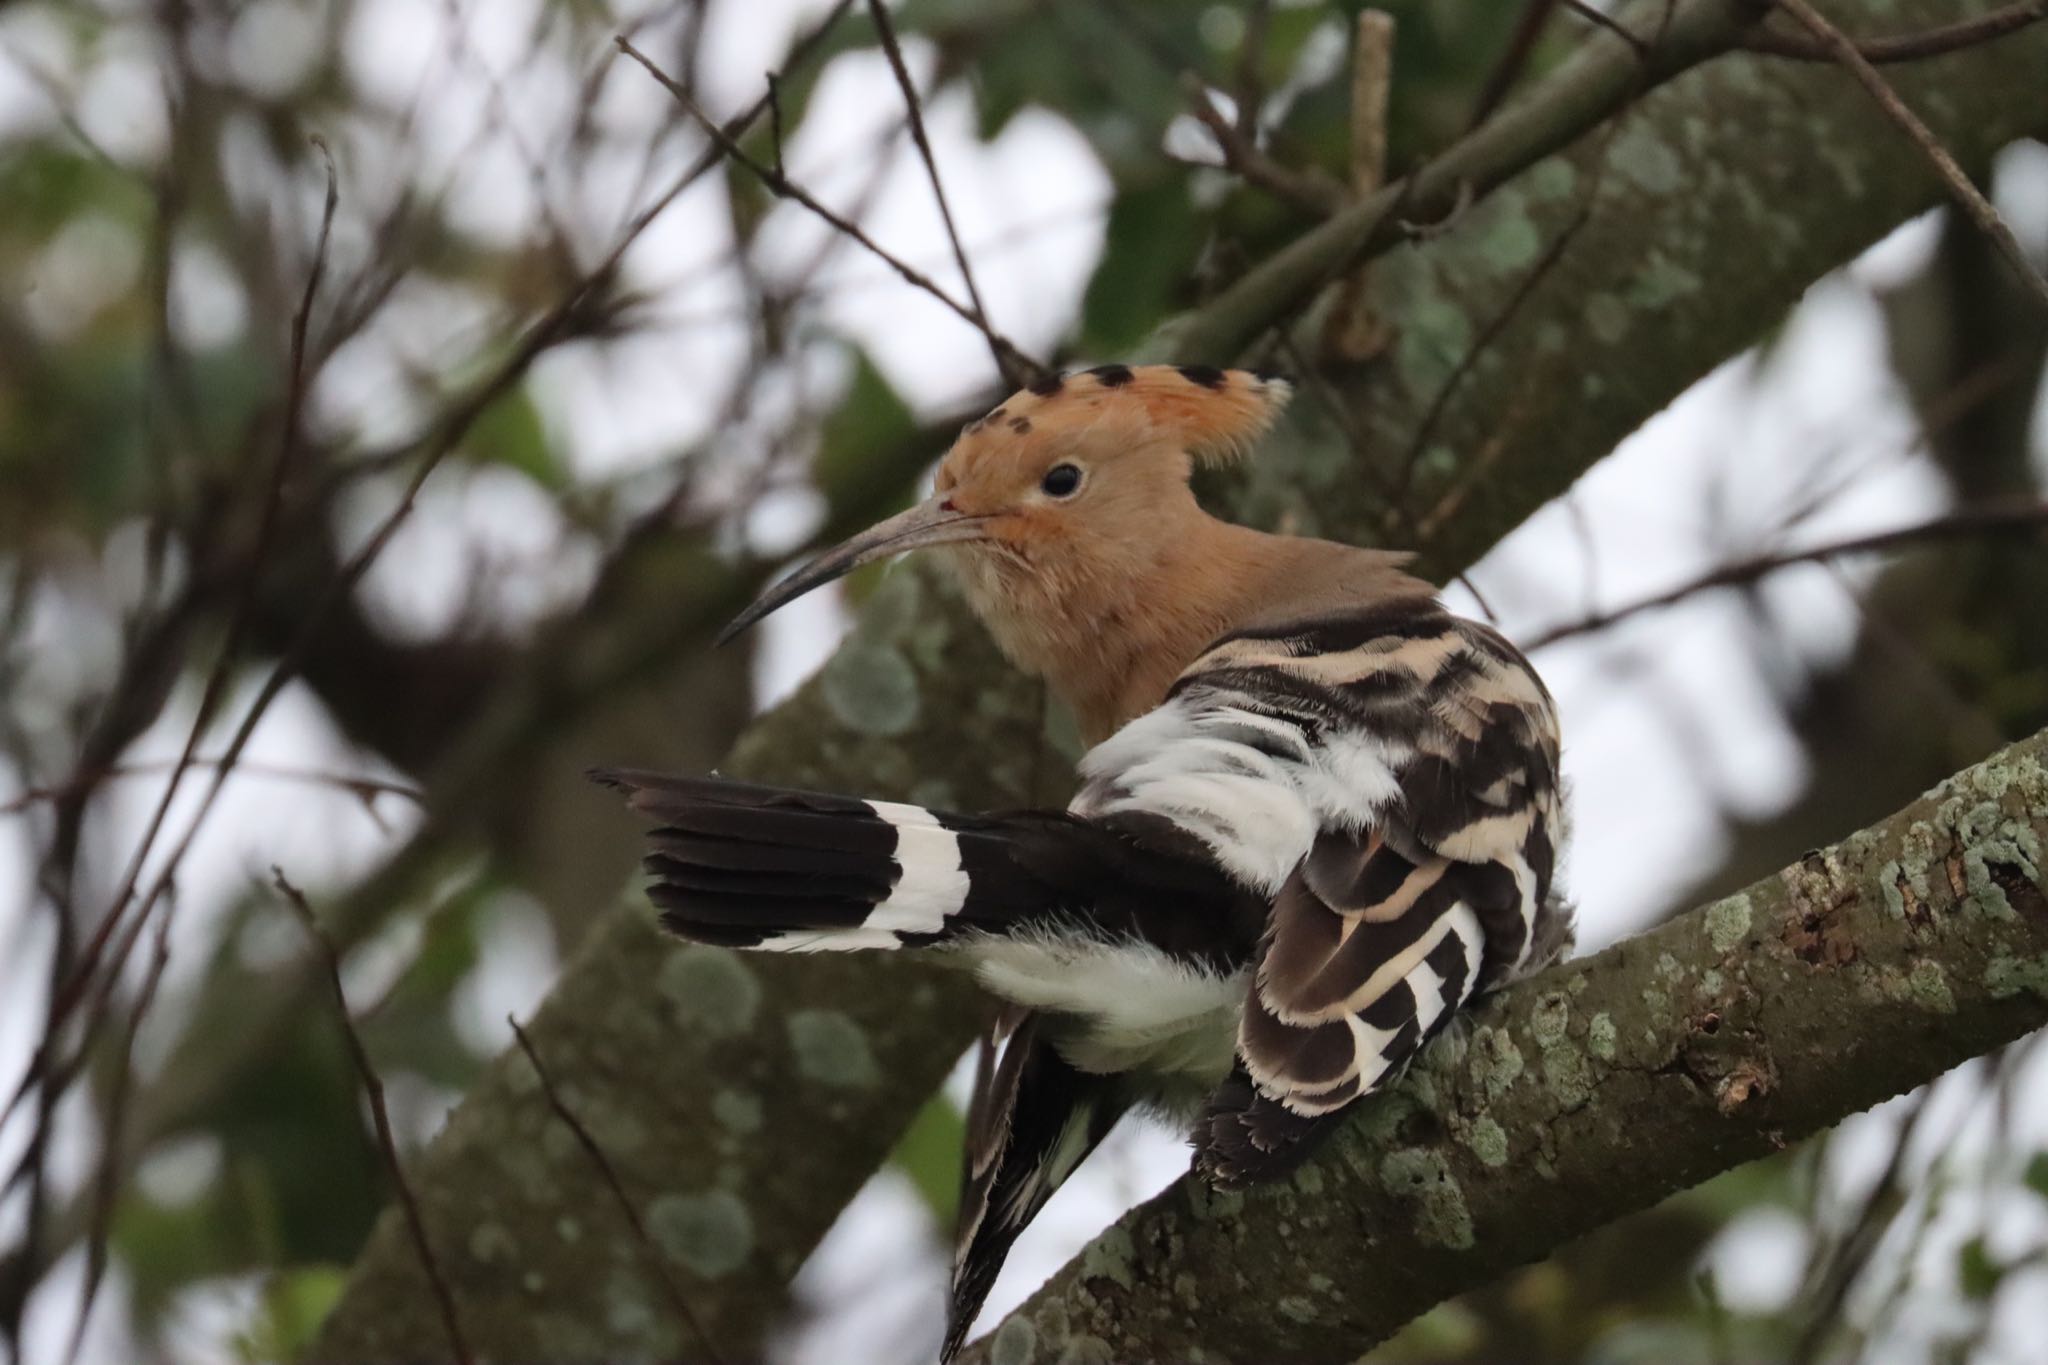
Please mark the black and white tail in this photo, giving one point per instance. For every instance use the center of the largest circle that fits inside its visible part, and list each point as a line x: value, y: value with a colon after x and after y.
x: 777, y: 870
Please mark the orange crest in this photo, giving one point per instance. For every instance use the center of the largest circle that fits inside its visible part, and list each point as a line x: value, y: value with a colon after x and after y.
x: 1214, y: 415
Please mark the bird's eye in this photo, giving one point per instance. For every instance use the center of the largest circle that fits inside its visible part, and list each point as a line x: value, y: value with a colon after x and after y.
x: 1061, y: 480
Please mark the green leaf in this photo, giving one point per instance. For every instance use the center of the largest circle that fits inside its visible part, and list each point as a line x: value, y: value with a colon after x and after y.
x: 510, y: 432
x: 1977, y: 1271
x: 2037, y: 1174
x: 163, y: 1248
x: 294, y: 1303
x: 45, y: 185
x: 930, y: 1155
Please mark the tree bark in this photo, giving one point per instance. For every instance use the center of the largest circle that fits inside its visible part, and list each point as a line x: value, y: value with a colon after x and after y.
x: 1596, y: 1089
x: 1651, y: 294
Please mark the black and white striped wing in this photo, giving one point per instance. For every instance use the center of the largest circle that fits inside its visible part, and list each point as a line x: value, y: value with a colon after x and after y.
x: 1389, y: 778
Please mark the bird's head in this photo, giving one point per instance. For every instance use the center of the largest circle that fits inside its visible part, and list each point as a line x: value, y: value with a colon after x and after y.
x: 1061, y: 506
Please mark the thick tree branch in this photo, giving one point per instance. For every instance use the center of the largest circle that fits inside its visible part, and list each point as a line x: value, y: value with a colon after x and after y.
x: 1642, y: 303
x: 1967, y: 196
x: 1606, y: 76
x: 1596, y: 1089
x: 1794, y: 164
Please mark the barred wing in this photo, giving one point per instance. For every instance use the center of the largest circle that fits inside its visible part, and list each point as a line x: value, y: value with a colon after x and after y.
x: 1389, y: 777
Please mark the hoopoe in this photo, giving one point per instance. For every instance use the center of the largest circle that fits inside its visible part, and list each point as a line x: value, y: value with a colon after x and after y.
x: 1319, y: 814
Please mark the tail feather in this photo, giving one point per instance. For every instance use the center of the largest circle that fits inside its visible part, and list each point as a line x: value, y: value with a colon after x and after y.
x: 763, y: 867
x: 750, y: 866
x: 1034, y: 1121
x: 734, y: 864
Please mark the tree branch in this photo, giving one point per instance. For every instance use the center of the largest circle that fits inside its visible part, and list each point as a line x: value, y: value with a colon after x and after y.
x: 1968, y: 197
x: 650, y: 1253
x: 1968, y: 524
x: 1605, y: 76
x: 1903, y: 47
x: 1597, y: 1088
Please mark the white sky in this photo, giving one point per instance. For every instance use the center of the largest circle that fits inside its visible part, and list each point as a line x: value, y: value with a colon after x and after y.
x: 1659, y: 714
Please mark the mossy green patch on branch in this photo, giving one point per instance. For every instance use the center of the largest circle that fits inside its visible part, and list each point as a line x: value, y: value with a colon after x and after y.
x: 711, y: 1233
x: 832, y: 1049
x: 1728, y: 922
x: 1421, y: 1175
x: 709, y: 990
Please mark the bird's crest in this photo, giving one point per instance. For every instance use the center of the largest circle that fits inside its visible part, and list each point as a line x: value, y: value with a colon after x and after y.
x: 1214, y: 415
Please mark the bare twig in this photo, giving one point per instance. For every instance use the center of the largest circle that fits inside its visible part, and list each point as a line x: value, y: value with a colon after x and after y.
x: 2020, y: 520
x: 782, y: 187
x: 1967, y: 196
x: 218, y: 678
x: 1251, y: 56
x: 44, y: 1075
x: 373, y: 1088
x: 1514, y: 59
x: 610, y: 1175
x: 106, y: 1182
x: 1904, y: 47
x: 1353, y: 333
x: 1600, y: 19
x: 1372, y: 81
x: 1308, y: 189
x: 886, y: 30
x: 361, y: 787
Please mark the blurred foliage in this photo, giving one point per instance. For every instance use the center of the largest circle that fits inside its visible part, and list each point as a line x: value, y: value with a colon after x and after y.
x: 930, y: 1154
x: 294, y: 1302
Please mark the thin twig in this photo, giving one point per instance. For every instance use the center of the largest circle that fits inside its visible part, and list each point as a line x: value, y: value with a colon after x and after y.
x: 775, y: 119
x: 1251, y: 56
x: 886, y: 30
x: 1601, y: 20
x: 1904, y: 47
x: 52, y: 1079
x: 1497, y: 324
x: 1961, y: 525
x: 1967, y: 196
x: 1372, y: 83
x: 373, y: 1088
x: 363, y: 788
x: 1308, y: 189
x: 218, y: 676
x: 106, y: 1181
x: 610, y: 1175
x: 1353, y: 334
x: 1514, y: 59
x: 782, y: 187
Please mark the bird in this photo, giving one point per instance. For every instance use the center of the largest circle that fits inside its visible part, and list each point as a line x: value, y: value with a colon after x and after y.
x: 1318, y: 814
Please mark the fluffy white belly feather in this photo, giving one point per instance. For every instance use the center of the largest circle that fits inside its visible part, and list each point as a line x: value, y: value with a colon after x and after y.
x: 1135, y: 1007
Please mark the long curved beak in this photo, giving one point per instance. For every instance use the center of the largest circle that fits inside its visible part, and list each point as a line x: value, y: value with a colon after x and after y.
x: 932, y: 522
